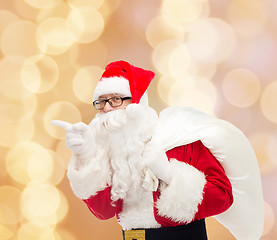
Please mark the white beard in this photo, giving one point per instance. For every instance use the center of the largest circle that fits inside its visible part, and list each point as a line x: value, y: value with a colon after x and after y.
x: 123, y: 134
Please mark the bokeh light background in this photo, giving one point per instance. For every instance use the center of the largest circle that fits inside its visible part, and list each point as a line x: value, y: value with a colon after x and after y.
x: 219, y: 56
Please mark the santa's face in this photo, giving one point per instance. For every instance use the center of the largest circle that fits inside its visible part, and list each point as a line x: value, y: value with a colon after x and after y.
x: 114, y: 101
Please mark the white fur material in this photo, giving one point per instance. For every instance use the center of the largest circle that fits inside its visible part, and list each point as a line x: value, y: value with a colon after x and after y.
x: 138, y: 212
x: 179, y: 126
x: 112, y: 85
x: 179, y: 199
x: 88, y: 180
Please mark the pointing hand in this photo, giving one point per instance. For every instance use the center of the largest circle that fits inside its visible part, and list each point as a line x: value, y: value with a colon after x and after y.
x: 78, y: 136
x: 61, y: 124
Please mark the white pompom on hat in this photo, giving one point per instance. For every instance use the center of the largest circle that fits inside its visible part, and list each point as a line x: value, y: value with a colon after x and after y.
x: 123, y: 78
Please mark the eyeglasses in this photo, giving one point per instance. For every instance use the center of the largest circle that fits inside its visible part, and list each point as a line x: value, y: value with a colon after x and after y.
x: 113, y: 101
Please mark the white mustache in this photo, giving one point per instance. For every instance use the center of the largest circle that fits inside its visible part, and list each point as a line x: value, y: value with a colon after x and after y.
x: 112, y: 120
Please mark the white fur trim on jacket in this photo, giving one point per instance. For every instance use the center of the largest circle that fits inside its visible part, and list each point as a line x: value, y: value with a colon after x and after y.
x: 138, y: 213
x: 179, y: 199
x: 112, y: 85
x: 92, y: 177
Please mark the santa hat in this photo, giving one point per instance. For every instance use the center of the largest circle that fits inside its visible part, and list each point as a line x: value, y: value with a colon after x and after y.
x: 123, y: 78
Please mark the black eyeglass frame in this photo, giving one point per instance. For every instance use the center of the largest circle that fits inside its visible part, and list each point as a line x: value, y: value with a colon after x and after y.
x: 108, y: 100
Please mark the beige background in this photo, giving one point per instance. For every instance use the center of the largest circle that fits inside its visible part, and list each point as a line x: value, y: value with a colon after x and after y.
x: 218, y: 56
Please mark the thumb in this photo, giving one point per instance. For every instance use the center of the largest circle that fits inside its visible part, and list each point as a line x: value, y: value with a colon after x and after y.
x: 61, y: 124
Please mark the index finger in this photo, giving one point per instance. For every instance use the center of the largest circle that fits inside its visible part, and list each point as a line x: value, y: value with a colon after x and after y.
x: 61, y: 124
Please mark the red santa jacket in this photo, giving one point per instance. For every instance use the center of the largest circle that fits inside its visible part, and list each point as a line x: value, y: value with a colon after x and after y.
x: 199, y: 188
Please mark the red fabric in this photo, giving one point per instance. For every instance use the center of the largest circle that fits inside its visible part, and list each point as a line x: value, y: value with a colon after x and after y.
x: 217, y: 196
x: 101, y: 205
x: 139, y: 79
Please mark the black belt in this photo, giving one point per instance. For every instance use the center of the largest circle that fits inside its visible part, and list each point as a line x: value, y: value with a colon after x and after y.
x: 192, y: 231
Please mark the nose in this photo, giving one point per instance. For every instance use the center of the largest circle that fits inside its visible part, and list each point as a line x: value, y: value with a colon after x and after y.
x: 107, y: 108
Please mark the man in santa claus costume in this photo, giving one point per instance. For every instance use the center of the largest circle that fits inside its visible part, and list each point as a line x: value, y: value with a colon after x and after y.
x: 161, y: 176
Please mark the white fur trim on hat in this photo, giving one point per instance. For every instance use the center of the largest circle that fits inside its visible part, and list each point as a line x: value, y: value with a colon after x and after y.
x: 112, y: 85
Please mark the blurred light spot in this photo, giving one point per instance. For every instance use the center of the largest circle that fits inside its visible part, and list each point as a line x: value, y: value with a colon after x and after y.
x: 79, y: 54
x: 179, y: 60
x: 85, y: 24
x: 7, y: 215
x: 10, y: 214
x: 6, y: 18
x: 15, y: 132
x: 30, y: 76
x: 24, y: 10
x: 32, y: 231
x: 241, y: 87
x: 85, y: 82
x: 208, y: 88
x: 41, y: 4
x: 184, y: 92
x: 108, y: 7
x: 59, y: 168
x: 272, y: 149
x: 10, y: 84
x: 246, y: 52
x: 40, y: 200
x: 197, y: 99
x: 39, y: 73
x: 159, y: 30
x: 85, y: 3
x: 164, y: 84
x: 142, y: 20
x: 51, y: 218
x: 19, y: 158
x: 202, y: 69
x: 3, y: 173
x: 211, y: 40
x: 247, y: 17
x: 64, y: 152
x: 19, y: 39
x: 63, y: 207
x: 40, y: 166
x: 162, y: 53
x: 269, y: 218
x: 53, y: 37
x: 17, y: 110
x: 60, y: 10
x: 64, y: 234
x: 183, y: 10
x: 9, y: 197
x: 269, y: 102
x: 60, y: 111
x: 259, y: 141
x: 183, y: 86
x: 64, y: 85
x: 7, y: 231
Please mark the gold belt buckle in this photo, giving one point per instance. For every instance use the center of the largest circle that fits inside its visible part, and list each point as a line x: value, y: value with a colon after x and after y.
x: 134, y: 235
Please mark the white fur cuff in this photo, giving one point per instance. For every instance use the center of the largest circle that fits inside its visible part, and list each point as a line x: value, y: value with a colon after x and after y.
x: 89, y: 179
x: 179, y: 199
